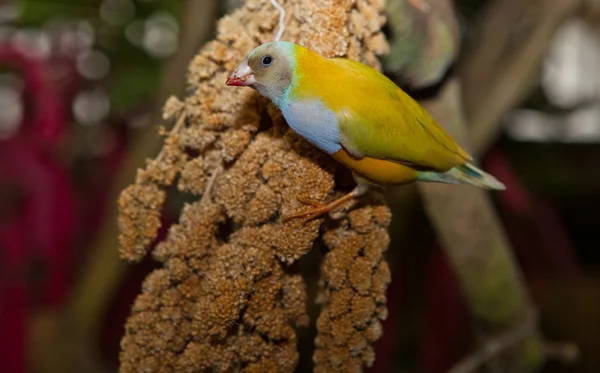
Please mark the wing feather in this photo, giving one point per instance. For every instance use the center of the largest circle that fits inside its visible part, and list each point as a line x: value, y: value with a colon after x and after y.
x: 377, y: 119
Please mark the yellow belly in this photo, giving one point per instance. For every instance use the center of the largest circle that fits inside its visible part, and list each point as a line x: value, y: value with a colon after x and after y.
x: 379, y: 171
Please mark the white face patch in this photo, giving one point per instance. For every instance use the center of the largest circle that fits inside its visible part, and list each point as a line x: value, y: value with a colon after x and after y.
x: 315, y: 122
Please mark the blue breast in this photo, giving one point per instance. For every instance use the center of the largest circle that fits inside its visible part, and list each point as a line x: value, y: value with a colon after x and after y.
x: 315, y: 122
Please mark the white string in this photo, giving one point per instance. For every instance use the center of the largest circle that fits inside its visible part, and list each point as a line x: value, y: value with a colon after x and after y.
x: 278, y: 6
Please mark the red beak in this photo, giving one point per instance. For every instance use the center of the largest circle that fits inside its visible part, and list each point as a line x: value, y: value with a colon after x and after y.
x: 237, y: 81
x: 242, y: 75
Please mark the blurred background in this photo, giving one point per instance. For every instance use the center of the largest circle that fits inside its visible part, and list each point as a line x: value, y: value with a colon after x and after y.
x: 82, y: 83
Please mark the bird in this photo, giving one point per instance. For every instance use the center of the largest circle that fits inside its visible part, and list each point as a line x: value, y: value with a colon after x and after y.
x: 358, y: 116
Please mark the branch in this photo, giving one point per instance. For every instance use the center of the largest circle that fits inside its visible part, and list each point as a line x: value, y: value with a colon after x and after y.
x: 495, y: 346
x: 497, y: 73
x: 472, y: 237
x: 566, y: 352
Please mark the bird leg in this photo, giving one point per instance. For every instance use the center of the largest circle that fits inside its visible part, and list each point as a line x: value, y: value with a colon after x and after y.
x: 320, y: 208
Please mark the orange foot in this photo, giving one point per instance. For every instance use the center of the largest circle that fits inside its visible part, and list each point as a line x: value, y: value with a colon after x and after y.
x: 320, y: 208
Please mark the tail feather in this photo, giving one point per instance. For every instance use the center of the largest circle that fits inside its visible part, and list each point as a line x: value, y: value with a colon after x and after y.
x: 464, y: 174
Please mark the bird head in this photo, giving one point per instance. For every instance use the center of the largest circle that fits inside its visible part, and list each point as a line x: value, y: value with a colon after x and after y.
x: 268, y: 69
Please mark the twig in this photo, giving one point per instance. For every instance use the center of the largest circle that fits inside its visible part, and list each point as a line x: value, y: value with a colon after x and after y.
x: 281, y: 29
x: 206, y: 197
x: 176, y: 128
x: 495, y: 346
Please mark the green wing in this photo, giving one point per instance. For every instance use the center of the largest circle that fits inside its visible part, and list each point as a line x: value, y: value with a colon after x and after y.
x: 379, y: 120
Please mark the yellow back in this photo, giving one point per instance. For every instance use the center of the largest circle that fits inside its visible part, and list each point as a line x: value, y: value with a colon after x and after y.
x: 376, y: 117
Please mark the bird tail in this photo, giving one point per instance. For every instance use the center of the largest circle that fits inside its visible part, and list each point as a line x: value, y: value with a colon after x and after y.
x: 463, y: 174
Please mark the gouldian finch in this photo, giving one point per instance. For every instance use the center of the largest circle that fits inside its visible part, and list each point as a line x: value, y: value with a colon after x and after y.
x: 358, y: 116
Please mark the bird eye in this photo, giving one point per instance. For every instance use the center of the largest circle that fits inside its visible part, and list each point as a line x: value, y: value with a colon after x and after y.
x: 267, y: 60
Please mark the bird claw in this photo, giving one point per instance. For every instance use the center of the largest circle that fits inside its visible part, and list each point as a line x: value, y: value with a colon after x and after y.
x: 321, y: 208
x: 318, y: 210
x: 311, y: 202
x: 308, y: 215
